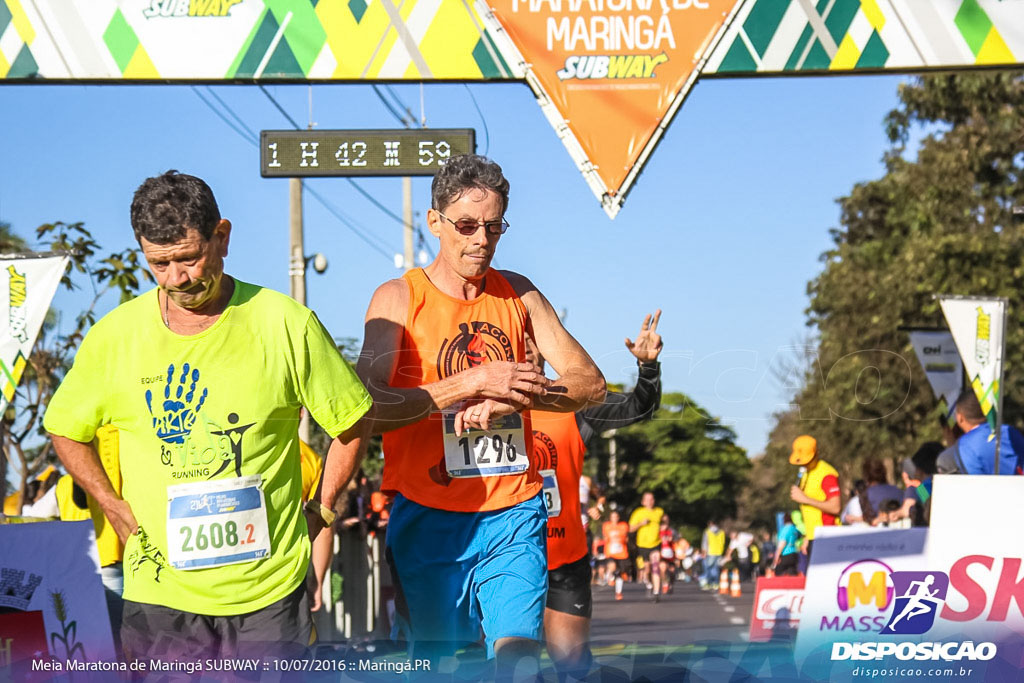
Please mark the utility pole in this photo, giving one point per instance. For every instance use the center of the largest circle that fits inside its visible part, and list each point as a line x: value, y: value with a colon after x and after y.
x: 297, y: 265
x: 613, y: 461
x: 407, y: 218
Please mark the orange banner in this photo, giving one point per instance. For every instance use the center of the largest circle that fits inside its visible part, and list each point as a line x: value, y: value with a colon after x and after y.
x: 613, y: 68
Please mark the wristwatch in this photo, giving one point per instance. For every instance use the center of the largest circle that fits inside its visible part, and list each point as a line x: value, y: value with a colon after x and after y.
x: 322, y: 511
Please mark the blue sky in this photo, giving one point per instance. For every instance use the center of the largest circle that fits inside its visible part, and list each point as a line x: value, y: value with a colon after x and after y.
x: 722, y: 230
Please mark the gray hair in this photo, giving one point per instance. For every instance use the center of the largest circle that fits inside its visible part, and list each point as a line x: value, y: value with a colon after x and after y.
x: 466, y: 172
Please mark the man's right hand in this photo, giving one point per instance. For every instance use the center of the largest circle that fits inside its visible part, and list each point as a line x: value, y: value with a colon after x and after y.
x: 121, y: 517
x: 517, y: 383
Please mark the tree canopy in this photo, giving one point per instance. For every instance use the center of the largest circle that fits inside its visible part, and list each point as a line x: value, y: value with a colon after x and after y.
x: 688, y: 459
x: 940, y: 221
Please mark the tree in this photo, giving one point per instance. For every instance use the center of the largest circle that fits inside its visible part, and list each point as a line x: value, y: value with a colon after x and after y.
x: 689, y: 460
x: 373, y: 462
x: 938, y: 223
x: 25, y: 443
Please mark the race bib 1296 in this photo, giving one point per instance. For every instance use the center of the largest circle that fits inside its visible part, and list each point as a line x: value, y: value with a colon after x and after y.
x: 498, y: 451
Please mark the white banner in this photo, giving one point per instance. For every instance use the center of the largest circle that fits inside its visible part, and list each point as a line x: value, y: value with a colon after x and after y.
x: 29, y: 284
x: 937, y: 353
x: 849, y: 592
x: 942, y: 603
x: 977, y: 328
x: 52, y: 568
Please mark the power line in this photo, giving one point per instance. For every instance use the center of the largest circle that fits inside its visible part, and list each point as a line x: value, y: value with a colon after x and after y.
x: 390, y: 107
x: 230, y: 111
x: 220, y: 115
x: 487, y: 133
x: 337, y: 214
x: 401, y: 104
x: 280, y: 108
x: 250, y: 138
x: 373, y: 200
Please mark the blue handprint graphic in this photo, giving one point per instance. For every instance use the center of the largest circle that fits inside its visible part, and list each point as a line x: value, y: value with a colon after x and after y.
x: 173, y: 420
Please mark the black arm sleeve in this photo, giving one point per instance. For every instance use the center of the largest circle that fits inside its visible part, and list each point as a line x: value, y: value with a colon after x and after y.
x: 620, y: 410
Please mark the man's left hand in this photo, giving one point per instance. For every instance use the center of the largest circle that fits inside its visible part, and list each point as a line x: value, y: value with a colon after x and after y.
x: 648, y: 343
x: 478, y: 415
x: 315, y: 523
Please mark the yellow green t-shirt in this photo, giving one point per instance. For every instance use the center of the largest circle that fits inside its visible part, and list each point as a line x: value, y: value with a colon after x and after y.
x: 647, y: 535
x: 202, y: 409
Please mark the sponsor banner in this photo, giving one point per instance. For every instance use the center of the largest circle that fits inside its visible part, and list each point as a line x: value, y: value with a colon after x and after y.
x: 777, y: 605
x: 53, y: 568
x: 938, y: 355
x: 977, y: 328
x: 609, y: 74
x: 246, y: 40
x: 982, y: 560
x: 849, y: 590
x: 28, y: 287
x: 772, y: 36
x: 943, y: 603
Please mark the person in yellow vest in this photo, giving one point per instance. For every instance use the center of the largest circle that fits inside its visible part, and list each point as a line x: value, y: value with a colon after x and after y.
x: 76, y: 505
x: 817, y: 488
x: 323, y: 545
x: 712, y: 545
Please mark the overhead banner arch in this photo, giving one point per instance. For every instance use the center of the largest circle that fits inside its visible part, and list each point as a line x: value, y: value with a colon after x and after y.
x: 608, y: 74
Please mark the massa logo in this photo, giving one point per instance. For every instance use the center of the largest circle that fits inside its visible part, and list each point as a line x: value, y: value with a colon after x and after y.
x: 919, y: 596
x: 545, y: 451
x: 476, y: 343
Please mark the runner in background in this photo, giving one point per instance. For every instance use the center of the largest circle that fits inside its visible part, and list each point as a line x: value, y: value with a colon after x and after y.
x: 646, y: 521
x: 667, y: 565
x: 787, y: 555
x: 615, y: 533
x: 559, y: 448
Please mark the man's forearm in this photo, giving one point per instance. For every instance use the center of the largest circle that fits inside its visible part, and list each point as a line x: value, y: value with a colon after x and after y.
x: 343, y: 459
x: 395, y: 407
x: 829, y: 506
x: 575, y: 390
x: 84, y: 465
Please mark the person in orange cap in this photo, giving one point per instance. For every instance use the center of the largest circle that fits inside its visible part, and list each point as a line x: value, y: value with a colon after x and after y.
x: 816, y: 490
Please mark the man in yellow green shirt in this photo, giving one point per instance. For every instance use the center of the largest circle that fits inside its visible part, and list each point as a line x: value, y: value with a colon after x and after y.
x: 645, y: 521
x: 204, y: 378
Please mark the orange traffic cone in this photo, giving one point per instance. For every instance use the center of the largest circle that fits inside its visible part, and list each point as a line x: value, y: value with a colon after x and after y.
x: 734, y: 587
x: 723, y: 582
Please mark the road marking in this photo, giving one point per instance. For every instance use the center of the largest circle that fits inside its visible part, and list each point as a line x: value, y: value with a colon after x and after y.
x: 735, y: 620
x: 729, y: 608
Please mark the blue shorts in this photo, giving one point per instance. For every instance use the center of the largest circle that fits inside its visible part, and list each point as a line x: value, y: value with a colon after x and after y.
x: 459, y: 572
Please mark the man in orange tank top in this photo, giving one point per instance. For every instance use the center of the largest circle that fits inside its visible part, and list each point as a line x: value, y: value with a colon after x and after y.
x: 444, y: 352
x: 559, y: 444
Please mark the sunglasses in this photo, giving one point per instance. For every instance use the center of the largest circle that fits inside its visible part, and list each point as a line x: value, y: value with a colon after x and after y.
x: 468, y: 226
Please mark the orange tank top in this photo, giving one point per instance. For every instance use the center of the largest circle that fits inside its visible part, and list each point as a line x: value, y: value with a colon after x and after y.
x: 616, y: 539
x: 426, y: 462
x: 558, y: 449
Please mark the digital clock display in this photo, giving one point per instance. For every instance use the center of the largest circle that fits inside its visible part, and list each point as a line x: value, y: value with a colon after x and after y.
x: 401, y: 152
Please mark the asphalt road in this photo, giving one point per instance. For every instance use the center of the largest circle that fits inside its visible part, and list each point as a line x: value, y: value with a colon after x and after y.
x: 683, y: 617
